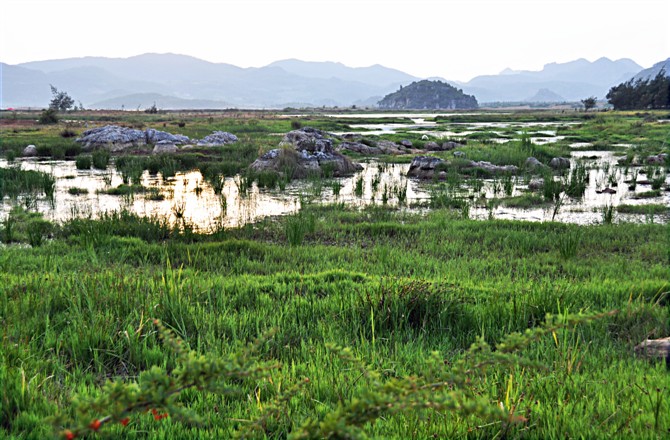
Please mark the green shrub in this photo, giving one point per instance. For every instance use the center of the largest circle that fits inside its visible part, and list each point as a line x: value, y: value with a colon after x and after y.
x: 83, y: 162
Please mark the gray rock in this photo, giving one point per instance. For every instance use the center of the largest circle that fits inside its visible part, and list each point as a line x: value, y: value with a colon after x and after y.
x: 156, y: 136
x: 301, y: 164
x: 450, y: 145
x: 536, y: 184
x: 424, y: 167
x: 459, y: 154
x: 432, y: 146
x: 496, y: 169
x: 659, y: 159
x: 406, y: 143
x: 655, y: 349
x: 310, y: 139
x: 164, y: 147
x: 218, y: 138
x: 559, y: 163
x: 360, y: 148
x: 607, y: 191
x: 112, y: 137
x: 390, y: 147
x: 29, y: 151
x: 534, y: 164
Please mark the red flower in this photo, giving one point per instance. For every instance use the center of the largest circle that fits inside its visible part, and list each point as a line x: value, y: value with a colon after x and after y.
x: 125, y: 421
x: 69, y: 435
x: 95, y: 425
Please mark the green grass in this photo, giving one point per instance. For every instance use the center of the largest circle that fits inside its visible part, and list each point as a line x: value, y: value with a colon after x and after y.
x: 396, y: 287
x: 652, y: 208
x: 524, y: 201
x: 356, y: 280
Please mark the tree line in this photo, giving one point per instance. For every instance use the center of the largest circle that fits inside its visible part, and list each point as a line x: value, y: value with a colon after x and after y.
x: 641, y: 94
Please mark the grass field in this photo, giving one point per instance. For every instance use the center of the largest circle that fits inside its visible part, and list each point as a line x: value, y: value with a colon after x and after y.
x: 407, y: 293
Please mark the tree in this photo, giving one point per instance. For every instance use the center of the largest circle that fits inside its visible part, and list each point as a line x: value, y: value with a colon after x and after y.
x: 60, y: 101
x: 589, y: 103
x: 641, y: 94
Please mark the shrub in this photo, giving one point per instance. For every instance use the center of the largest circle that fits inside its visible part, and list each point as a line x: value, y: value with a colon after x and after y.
x: 49, y: 116
x: 100, y: 159
x: 83, y: 162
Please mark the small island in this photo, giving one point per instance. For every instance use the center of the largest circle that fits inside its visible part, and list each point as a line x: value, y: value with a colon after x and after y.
x: 428, y: 95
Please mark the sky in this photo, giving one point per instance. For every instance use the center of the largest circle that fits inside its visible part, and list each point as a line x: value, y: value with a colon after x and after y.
x: 452, y: 39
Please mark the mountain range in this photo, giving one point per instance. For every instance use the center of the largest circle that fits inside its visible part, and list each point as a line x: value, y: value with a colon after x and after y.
x: 179, y: 81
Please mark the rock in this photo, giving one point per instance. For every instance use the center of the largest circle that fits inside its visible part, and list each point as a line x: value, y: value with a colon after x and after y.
x: 432, y: 146
x: 655, y: 349
x: 424, y: 167
x: 309, y: 139
x: 301, y: 164
x: 559, y: 163
x: 450, y: 145
x: 217, y: 139
x: 406, y: 143
x: 659, y: 159
x: 495, y: 169
x: 533, y: 164
x: 112, y: 137
x: 29, y: 151
x: 360, y: 148
x: 390, y: 147
x: 536, y: 184
x: 607, y: 191
x: 164, y: 147
x: 459, y: 154
x: 155, y: 137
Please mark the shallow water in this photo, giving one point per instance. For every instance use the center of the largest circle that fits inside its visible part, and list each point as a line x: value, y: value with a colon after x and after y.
x: 204, y: 210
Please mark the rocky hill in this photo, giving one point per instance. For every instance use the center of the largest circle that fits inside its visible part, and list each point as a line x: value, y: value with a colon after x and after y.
x: 428, y: 95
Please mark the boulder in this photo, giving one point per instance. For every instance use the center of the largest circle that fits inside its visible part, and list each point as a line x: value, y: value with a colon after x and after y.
x: 536, y: 184
x: 659, y: 159
x: 495, y: 169
x: 217, y: 138
x: 450, y: 145
x: 655, y: 349
x: 301, y: 164
x: 112, y: 137
x: 424, y: 167
x: 156, y: 136
x: 309, y: 139
x: 29, y: 151
x: 390, y: 147
x: 406, y: 143
x: 533, y: 164
x: 459, y: 154
x: 360, y: 148
x: 559, y: 163
x: 432, y: 146
x: 164, y: 147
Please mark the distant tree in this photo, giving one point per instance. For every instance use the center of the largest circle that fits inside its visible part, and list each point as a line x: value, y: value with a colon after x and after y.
x: 589, y: 103
x: 641, y: 94
x: 49, y: 116
x: 153, y: 109
x: 60, y: 101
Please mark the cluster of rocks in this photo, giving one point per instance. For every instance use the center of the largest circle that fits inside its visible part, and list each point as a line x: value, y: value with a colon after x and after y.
x: 655, y: 349
x: 355, y: 144
x: 428, y: 167
x: 116, y: 138
x: 659, y: 159
x: 305, y: 152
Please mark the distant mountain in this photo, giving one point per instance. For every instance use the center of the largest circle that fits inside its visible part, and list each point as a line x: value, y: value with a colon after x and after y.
x: 98, y: 81
x: 175, y: 80
x: 142, y: 101
x: 545, y: 95
x: 654, y: 70
x: 428, y: 95
x: 573, y: 80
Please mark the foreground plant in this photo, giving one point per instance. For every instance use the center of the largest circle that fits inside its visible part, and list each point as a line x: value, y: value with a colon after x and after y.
x: 440, y: 386
x: 157, y: 390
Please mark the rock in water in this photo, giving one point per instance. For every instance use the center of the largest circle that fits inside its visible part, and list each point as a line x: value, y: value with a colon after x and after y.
x: 559, y: 163
x: 306, y: 152
x: 29, y: 151
x: 425, y: 167
x: 112, y: 137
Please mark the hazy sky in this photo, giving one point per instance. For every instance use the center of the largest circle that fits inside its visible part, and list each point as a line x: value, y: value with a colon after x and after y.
x: 454, y: 39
